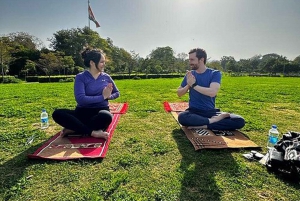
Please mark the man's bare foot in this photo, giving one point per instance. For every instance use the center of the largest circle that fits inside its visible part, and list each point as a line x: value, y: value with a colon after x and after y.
x: 221, y: 116
x: 66, y: 131
x: 100, y: 134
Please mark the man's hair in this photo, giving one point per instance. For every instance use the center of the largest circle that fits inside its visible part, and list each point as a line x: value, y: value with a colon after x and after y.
x: 200, y: 53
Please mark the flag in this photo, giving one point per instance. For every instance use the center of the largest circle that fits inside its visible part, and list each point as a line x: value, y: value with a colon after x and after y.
x: 92, y: 17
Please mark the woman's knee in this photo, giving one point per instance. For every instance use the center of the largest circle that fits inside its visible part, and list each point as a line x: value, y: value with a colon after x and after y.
x: 104, y: 114
x: 57, y: 113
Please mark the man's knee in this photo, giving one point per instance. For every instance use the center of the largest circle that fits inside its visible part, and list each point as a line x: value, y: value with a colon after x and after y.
x: 240, y: 123
x: 182, y: 119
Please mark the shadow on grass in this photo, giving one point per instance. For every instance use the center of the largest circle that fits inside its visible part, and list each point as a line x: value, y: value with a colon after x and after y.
x: 201, y: 170
x: 14, y: 172
x: 289, y: 179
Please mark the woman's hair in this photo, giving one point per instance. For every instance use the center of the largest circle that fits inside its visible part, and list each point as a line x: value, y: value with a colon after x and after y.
x: 90, y: 54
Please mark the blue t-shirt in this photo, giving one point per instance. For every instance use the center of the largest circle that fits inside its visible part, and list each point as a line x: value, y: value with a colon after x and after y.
x: 88, y: 91
x: 198, y: 100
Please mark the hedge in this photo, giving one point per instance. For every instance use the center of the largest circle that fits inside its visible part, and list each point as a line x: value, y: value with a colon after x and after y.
x: 9, y: 79
x: 263, y: 75
x: 70, y: 78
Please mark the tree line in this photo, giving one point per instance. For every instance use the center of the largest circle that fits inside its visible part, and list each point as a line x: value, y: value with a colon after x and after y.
x: 22, y: 54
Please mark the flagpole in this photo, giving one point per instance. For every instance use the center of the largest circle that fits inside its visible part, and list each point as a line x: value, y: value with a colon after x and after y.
x: 88, y: 14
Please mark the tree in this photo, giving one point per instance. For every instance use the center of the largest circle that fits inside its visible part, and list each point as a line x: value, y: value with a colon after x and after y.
x: 163, y: 56
x: 215, y: 64
x: 48, y: 63
x: 20, y: 56
x: 181, y: 62
x: 134, y: 61
x: 267, y: 64
x: 296, y: 64
x: 73, y: 41
x: 254, y: 62
x: 65, y: 62
x: 297, y: 60
x: 127, y: 60
x: 225, y: 60
x: 29, y: 66
x: 26, y: 40
x: 244, y: 65
x: 146, y: 65
x: 22, y: 46
x: 273, y: 63
x: 5, y: 56
x: 157, y: 69
x: 232, y: 66
x: 120, y: 61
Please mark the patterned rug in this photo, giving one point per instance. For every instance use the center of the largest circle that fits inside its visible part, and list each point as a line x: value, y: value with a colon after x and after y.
x: 65, y: 148
x: 210, y: 139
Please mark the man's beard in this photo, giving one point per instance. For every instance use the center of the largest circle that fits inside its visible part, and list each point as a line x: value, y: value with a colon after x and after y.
x: 194, y: 66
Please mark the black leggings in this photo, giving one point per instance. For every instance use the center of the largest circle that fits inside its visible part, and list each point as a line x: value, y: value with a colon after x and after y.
x: 83, y: 120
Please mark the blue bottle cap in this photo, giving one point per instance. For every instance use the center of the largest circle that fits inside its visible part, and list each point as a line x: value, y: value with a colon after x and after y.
x: 274, y: 126
x: 43, y: 110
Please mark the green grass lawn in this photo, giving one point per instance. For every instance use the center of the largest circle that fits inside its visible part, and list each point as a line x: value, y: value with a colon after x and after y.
x: 149, y: 157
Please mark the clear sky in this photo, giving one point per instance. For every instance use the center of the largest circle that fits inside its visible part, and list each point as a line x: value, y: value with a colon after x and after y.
x: 238, y: 28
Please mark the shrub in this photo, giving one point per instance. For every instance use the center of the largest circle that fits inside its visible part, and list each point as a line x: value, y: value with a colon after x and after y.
x: 136, y: 78
x: 69, y: 79
x: 9, y: 79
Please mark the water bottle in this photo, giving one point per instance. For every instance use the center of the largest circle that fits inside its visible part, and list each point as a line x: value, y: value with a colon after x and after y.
x: 44, y: 119
x: 273, y: 137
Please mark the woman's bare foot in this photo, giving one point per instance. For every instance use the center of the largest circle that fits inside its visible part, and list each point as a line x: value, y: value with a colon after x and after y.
x: 66, y: 131
x: 221, y: 116
x: 100, y: 134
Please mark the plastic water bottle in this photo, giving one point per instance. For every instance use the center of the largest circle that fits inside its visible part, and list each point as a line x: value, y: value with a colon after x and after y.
x: 273, y: 137
x: 44, y: 119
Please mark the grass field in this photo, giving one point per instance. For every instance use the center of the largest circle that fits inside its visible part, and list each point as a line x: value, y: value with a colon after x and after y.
x: 149, y: 157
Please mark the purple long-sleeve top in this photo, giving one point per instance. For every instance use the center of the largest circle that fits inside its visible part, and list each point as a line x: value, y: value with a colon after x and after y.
x: 88, y: 90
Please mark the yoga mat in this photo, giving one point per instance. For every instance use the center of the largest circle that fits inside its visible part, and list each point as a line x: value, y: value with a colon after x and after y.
x: 176, y: 107
x: 210, y: 139
x: 66, y: 148
x: 118, y: 108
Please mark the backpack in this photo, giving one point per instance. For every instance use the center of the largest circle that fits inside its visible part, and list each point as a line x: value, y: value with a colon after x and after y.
x: 285, y: 156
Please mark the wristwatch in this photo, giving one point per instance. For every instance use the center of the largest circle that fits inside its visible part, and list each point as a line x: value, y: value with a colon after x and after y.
x: 193, y: 85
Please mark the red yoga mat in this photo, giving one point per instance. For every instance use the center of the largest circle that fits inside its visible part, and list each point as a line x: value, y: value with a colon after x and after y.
x: 65, y: 148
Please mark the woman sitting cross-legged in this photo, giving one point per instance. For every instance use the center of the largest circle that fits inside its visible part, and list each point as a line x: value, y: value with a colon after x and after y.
x: 92, y: 89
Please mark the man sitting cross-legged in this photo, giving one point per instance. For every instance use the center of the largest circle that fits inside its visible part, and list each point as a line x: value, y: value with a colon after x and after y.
x: 203, y: 84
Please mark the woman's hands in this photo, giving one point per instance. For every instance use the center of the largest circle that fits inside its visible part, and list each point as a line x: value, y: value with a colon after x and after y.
x: 107, y: 91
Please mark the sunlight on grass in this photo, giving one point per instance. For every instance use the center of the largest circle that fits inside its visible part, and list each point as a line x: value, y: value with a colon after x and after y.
x: 149, y: 157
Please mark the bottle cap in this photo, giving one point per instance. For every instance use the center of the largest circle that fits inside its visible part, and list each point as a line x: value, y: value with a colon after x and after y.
x: 274, y: 126
x: 43, y: 110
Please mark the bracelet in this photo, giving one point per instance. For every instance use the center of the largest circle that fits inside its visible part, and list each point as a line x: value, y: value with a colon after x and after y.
x: 193, y: 85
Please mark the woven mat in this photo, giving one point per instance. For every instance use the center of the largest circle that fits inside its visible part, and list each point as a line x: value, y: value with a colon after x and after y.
x: 210, y: 139
x: 66, y: 148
